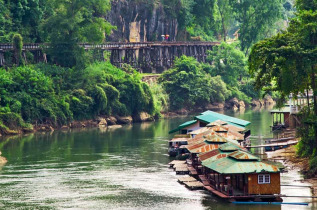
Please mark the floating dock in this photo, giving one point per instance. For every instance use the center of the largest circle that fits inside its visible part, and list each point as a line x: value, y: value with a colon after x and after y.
x: 191, y: 183
x: 174, y: 162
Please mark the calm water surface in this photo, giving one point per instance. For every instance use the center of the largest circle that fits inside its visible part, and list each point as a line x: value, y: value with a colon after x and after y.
x: 123, y: 168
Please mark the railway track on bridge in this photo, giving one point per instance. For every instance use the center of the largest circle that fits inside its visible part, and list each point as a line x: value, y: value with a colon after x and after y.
x: 145, y: 56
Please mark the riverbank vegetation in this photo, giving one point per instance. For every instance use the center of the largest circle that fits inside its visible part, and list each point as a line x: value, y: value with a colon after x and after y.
x: 287, y: 63
x: 190, y: 84
x: 49, y: 94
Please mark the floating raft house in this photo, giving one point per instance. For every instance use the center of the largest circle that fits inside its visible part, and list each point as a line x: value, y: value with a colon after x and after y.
x: 208, y: 117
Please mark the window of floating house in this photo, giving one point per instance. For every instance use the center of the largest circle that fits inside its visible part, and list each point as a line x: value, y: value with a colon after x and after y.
x: 202, y: 124
x: 264, y: 179
x: 184, y: 131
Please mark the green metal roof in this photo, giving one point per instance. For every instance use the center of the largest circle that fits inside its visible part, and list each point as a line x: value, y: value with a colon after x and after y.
x: 209, y: 118
x: 241, y: 155
x: 228, y: 165
x: 184, y: 125
x: 223, y: 150
x: 212, y: 115
x: 229, y: 147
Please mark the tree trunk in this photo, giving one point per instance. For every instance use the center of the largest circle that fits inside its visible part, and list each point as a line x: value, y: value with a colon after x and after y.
x: 313, y: 85
x: 223, y: 24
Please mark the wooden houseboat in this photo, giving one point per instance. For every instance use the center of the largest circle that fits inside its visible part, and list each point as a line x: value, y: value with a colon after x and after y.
x: 239, y: 175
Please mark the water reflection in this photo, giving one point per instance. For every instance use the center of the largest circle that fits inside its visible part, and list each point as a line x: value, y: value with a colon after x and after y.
x: 108, y: 169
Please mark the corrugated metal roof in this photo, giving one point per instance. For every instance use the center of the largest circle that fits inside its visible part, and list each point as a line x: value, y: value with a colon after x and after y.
x: 204, y: 146
x: 200, y: 137
x: 184, y: 125
x: 207, y: 155
x: 235, y: 135
x: 212, y: 124
x: 218, y: 128
x: 229, y: 165
x: 200, y: 130
x: 229, y: 147
x: 234, y: 128
x: 221, y: 122
x: 241, y: 155
x: 215, y: 139
x: 195, y: 146
x: 211, y: 116
x: 207, y: 148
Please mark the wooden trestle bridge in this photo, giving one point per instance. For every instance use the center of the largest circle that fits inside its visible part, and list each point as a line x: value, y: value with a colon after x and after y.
x: 145, y: 56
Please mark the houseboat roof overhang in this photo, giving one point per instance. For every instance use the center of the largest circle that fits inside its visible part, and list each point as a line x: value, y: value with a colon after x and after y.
x: 229, y: 165
x: 210, y: 117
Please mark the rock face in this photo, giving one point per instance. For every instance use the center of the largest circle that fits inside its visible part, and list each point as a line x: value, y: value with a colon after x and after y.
x: 142, y: 117
x: 139, y: 21
x: 111, y: 120
x: 182, y: 112
x: 124, y: 120
x: 102, y: 122
x: 215, y: 106
x: 268, y: 100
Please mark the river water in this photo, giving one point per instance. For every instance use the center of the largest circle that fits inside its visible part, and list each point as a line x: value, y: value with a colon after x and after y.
x: 123, y: 168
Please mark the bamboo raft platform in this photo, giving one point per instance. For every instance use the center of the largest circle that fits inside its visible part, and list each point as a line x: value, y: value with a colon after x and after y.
x: 194, y: 185
x: 179, y: 165
x: 174, y: 162
x: 182, y: 170
x: 191, y: 183
x: 279, y: 140
x: 186, y: 179
x: 274, y: 145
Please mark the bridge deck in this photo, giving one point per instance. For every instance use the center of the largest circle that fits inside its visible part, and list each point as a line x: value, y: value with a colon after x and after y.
x: 113, y: 45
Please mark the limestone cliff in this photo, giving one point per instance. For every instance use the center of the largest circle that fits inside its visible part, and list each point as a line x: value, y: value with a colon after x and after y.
x: 139, y: 21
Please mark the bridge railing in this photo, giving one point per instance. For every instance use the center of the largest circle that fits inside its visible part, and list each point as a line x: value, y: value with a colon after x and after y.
x: 112, y: 45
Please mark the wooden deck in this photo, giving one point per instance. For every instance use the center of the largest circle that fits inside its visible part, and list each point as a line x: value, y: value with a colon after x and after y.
x: 192, y: 170
x: 216, y: 192
x: 204, y: 180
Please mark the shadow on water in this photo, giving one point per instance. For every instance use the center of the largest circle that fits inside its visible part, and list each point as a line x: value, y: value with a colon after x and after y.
x: 124, y: 168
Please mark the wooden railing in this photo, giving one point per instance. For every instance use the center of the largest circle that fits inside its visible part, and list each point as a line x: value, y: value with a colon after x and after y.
x: 112, y: 45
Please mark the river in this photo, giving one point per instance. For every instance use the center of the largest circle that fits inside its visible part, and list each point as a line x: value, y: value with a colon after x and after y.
x: 123, y: 168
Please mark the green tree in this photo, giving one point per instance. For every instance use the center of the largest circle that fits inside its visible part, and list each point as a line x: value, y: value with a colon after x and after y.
x: 5, y: 22
x: 188, y: 85
x: 74, y: 22
x: 17, y: 47
x: 287, y: 63
x: 255, y: 17
x: 226, y: 16
x: 228, y: 62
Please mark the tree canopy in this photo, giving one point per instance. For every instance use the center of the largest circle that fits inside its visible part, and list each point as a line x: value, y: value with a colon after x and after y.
x: 188, y: 85
x: 287, y: 63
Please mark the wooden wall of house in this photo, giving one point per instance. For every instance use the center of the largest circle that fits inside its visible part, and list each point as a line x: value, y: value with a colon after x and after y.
x: 273, y: 188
